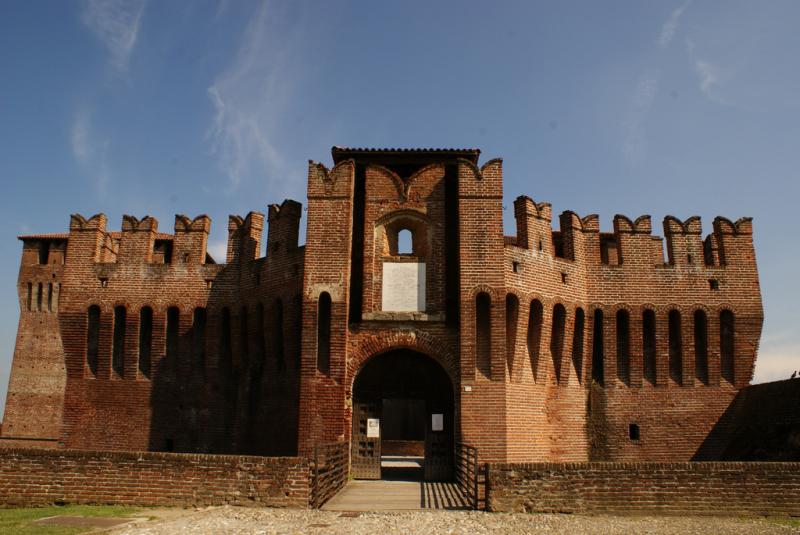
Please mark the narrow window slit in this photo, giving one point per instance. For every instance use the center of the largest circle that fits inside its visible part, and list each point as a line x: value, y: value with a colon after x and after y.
x: 145, y: 340
x: 483, y: 334
x: 324, y: 333
x: 118, y: 353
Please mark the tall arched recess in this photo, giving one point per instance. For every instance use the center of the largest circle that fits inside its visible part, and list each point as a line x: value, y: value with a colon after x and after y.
x: 324, y: 333
x: 403, y: 412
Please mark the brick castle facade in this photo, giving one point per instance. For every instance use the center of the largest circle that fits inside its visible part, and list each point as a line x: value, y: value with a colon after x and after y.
x: 551, y: 345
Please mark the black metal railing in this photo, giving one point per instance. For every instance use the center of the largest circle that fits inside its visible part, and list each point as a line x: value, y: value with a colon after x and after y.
x: 468, y: 474
x: 329, y: 471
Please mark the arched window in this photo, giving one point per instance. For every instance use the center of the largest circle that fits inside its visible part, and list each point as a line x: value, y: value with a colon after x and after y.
x: 324, y: 333
x: 597, y: 347
x: 225, y: 352
x: 118, y: 347
x: 199, y: 339
x: 577, y: 344
x: 277, y: 333
x: 649, y: 345
x: 727, y: 347
x: 557, y: 338
x: 623, y: 346
x: 145, y: 340
x: 512, y: 318
x: 701, y: 346
x: 405, y: 242
x: 675, y: 347
x: 92, y: 338
x: 173, y: 324
x: 39, y: 298
x: 534, y: 338
x: 483, y: 334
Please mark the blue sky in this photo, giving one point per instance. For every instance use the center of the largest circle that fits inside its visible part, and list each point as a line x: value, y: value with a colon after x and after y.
x: 141, y: 107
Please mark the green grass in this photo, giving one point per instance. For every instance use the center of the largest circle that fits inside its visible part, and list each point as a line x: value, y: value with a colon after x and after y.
x: 791, y: 521
x: 20, y: 521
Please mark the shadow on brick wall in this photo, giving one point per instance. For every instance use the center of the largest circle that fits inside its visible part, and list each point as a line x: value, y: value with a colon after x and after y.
x: 762, y: 424
x: 230, y: 384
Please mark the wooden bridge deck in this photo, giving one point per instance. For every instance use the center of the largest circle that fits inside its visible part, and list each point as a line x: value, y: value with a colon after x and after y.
x: 397, y: 496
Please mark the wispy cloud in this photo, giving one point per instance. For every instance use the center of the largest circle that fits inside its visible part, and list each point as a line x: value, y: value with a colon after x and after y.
x: 250, y: 99
x: 709, y: 74
x: 634, y: 145
x: 79, y: 137
x: 634, y: 132
x: 89, y: 151
x: 115, y: 23
x: 671, y: 25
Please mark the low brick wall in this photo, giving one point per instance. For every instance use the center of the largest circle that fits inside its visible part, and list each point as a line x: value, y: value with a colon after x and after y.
x: 39, y: 477
x: 701, y: 488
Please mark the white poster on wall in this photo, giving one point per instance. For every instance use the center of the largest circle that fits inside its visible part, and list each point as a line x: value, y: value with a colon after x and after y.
x: 437, y: 422
x: 403, y: 287
x: 373, y: 428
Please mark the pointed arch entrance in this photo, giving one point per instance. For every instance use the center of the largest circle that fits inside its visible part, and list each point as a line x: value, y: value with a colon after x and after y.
x: 403, y: 407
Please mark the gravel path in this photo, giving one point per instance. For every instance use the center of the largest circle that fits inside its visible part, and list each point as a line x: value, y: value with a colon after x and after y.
x: 295, y: 521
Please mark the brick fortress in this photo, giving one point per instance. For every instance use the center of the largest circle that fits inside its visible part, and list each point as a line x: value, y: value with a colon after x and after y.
x: 406, y: 322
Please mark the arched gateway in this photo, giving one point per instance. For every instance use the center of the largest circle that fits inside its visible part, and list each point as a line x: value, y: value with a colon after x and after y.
x: 403, y: 408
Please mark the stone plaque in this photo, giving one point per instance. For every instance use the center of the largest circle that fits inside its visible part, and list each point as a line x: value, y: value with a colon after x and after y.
x: 403, y: 287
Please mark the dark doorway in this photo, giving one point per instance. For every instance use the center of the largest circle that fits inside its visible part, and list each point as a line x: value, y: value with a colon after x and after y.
x: 403, y: 419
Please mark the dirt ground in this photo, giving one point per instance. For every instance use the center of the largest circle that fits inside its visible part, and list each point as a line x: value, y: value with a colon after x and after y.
x: 238, y: 520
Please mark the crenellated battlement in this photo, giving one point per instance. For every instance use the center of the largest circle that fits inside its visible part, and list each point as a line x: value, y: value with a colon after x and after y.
x: 284, y: 226
x: 139, y: 242
x: 97, y: 222
x: 631, y: 241
x: 480, y: 182
x: 244, y: 237
x: 334, y: 182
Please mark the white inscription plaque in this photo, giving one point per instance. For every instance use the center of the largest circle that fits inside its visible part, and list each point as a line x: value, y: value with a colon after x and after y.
x: 403, y: 287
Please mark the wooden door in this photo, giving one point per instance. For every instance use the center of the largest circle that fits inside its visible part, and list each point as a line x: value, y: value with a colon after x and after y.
x: 366, y: 449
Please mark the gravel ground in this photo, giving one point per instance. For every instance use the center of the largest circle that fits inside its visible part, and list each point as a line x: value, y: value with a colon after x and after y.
x: 295, y: 521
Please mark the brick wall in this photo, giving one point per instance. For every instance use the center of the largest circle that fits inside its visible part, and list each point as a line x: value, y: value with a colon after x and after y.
x: 538, y: 380
x: 643, y: 488
x: 39, y: 477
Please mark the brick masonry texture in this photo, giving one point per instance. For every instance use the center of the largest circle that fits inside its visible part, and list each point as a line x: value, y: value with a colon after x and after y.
x: 31, y: 477
x: 590, y: 346
x: 644, y: 488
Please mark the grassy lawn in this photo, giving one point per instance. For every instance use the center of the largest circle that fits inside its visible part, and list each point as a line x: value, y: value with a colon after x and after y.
x: 793, y: 521
x: 20, y: 521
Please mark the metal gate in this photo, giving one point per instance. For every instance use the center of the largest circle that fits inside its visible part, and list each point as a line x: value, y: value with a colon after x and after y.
x: 468, y: 474
x: 329, y: 473
x: 366, y: 450
x: 439, y: 453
